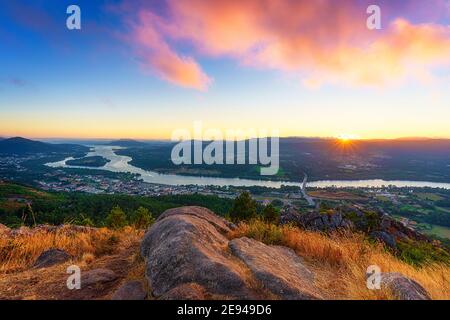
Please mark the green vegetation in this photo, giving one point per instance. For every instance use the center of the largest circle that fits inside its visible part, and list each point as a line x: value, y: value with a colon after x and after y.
x: 244, y: 207
x: 421, y: 253
x: 116, y: 219
x: 422, y: 208
x: 95, y: 162
x: 89, y: 209
x: 271, y: 214
x: 142, y: 218
x: 277, y: 203
x: 322, y: 159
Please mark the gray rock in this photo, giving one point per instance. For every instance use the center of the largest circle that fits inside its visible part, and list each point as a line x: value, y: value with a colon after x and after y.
x: 97, y: 277
x: 384, y: 237
x: 186, y: 291
x: 289, y: 215
x: 385, y: 223
x: 132, y: 290
x: 278, y: 268
x: 316, y: 221
x: 187, y: 245
x: 51, y: 257
x: 222, y: 225
x: 403, y: 287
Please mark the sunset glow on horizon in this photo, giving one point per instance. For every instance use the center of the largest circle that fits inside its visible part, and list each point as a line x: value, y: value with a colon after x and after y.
x: 142, y: 69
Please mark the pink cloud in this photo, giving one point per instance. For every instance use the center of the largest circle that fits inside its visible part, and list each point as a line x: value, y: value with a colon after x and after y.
x: 320, y: 41
x: 157, y: 56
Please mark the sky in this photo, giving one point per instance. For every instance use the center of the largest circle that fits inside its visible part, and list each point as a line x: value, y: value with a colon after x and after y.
x: 143, y: 69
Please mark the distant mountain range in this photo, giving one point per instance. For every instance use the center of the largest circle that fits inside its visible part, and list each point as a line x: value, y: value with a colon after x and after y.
x: 128, y: 143
x: 22, y: 146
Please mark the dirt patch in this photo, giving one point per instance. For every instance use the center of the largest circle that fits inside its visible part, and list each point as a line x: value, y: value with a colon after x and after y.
x: 50, y: 283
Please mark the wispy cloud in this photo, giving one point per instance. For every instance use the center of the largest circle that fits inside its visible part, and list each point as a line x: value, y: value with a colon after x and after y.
x: 17, y: 82
x: 320, y: 41
x: 156, y: 55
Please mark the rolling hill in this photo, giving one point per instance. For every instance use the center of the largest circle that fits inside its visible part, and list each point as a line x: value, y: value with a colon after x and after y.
x: 21, y: 146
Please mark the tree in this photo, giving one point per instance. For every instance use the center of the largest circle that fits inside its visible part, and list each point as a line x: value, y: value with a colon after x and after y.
x: 271, y: 214
x: 116, y: 218
x: 142, y: 218
x: 244, y: 207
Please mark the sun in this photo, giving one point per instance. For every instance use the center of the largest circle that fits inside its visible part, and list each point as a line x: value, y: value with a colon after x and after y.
x: 346, y: 143
x: 346, y: 138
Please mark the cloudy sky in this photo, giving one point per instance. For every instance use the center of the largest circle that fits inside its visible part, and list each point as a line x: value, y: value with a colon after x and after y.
x: 141, y: 69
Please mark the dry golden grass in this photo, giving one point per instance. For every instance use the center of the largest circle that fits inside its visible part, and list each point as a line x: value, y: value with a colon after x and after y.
x: 340, y: 261
x: 20, y: 252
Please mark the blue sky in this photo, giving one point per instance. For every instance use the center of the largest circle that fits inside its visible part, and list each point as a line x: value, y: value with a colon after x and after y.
x: 116, y: 79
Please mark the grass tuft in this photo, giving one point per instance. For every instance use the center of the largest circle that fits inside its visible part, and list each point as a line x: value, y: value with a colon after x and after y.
x: 340, y: 260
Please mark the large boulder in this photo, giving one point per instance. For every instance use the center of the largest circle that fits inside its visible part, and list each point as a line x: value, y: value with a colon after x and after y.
x: 188, y: 256
x: 51, y: 257
x: 188, y: 245
x: 222, y: 225
x: 404, y: 288
x: 278, y: 268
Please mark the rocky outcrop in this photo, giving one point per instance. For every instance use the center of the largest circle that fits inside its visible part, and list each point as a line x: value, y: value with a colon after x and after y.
x: 51, y: 257
x: 278, y: 268
x: 97, y: 277
x: 316, y: 221
x: 188, y: 245
x: 131, y: 290
x: 404, y: 288
x: 188, y: 256
x: 384, y: 237
x: 377, y: 224
x: 186, y: 291
x: 95, y: 283
x: 398, y: 230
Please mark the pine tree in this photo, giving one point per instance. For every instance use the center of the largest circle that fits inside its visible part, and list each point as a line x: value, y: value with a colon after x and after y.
x: 271, y: 214
x: 244, y: 207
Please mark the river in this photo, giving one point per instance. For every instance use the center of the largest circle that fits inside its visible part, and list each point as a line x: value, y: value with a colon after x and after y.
x: 120, y: 163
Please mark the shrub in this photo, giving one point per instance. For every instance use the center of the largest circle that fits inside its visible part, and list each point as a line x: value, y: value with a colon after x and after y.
x: 261, y: 231
x: 244, y: 207
x: 271, y: 214
x: 116, y: 218
x: 142, y: 218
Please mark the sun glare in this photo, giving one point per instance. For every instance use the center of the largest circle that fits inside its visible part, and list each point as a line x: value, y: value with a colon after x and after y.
x: 345, y: 137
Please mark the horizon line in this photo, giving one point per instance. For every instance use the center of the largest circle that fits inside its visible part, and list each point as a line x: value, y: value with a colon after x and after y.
x: 405, y: 138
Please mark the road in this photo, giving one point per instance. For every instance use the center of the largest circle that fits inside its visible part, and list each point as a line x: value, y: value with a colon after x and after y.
x: 310, y: 200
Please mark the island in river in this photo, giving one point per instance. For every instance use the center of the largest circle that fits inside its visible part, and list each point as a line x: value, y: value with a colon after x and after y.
x: 92, y: 162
